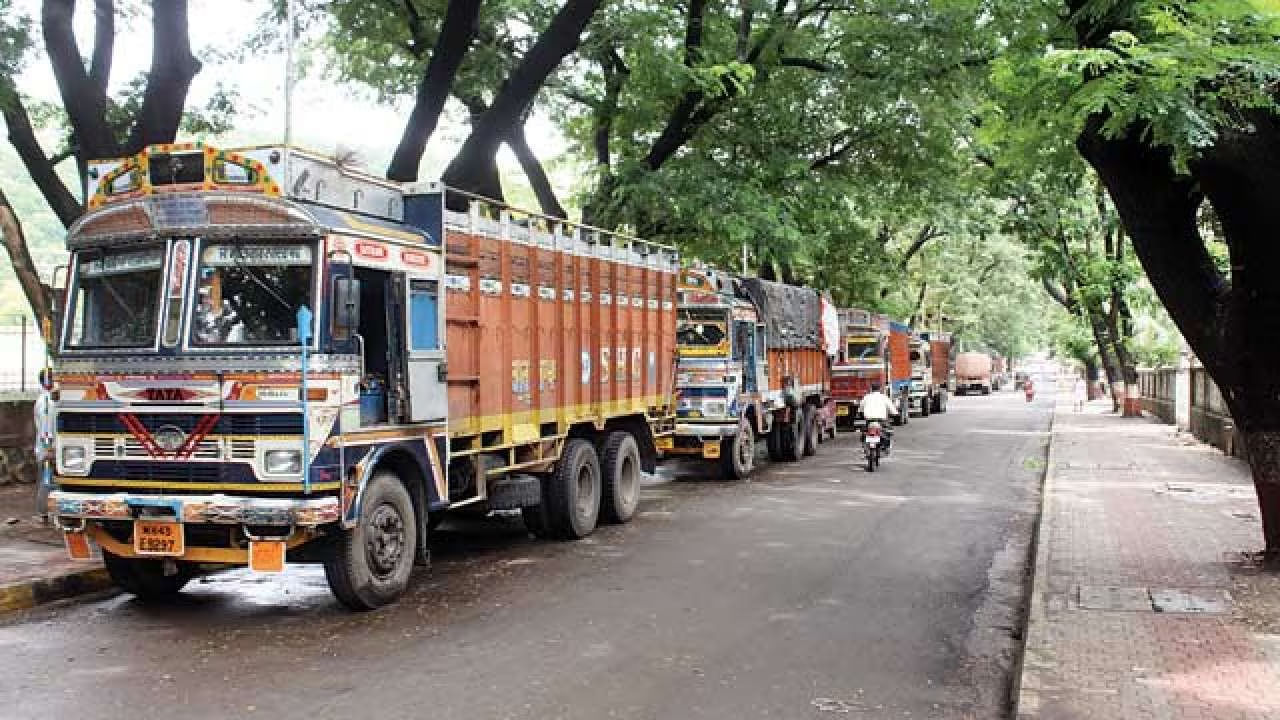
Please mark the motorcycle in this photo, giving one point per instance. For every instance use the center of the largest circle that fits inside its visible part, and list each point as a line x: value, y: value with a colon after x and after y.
x: 872, y: 437
x: 1030, y: 390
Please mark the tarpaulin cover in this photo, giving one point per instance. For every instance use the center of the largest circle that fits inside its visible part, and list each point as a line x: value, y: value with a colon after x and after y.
x: 830, y: 328
x: 792, y: 315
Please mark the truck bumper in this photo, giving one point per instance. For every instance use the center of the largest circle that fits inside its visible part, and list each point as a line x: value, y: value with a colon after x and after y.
x: 201, y: 509
x: 699, y: 439
x: 271, y: 527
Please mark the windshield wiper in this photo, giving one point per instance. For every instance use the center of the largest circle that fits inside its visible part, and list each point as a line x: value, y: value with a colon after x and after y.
x: 257, y: 279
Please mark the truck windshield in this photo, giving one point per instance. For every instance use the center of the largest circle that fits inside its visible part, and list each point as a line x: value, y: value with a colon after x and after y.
x: 117, y: 294
x: 863, y: 348
x: 249, y: 294
x: 703, y: 332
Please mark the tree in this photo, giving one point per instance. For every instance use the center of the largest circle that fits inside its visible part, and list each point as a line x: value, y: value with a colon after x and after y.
x: 1173, y: 103
x: 97, y: 124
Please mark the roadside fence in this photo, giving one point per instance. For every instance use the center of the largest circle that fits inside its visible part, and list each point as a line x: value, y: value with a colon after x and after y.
x: 21, y: 355
x: 1188, y: 397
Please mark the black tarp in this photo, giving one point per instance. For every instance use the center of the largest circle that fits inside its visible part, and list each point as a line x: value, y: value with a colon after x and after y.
x: 792, y: 315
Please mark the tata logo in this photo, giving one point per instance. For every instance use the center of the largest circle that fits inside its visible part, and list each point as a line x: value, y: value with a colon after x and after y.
x: 168, y: 394
x: 169, y: 438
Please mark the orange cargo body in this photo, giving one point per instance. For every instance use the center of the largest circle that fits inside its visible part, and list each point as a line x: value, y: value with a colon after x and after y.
x: 543, y: 331
x: 940, y: 354
x: 899, y: 353
x: 799, y: 367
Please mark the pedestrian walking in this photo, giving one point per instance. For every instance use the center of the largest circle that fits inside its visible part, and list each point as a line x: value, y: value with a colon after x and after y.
x: 1080, y: 394
x: 43, y: 412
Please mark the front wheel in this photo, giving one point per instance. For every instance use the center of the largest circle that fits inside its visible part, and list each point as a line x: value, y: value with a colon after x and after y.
x: 145, y: 577
x: 369, y: 565
x: 873, y: 458
x: 738, y: 453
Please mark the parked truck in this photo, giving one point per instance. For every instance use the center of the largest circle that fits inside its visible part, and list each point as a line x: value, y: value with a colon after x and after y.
x: 753, y: 362
x: 941, y: 352
x: 266, y: 357
x: 874, y: 350
x: 923, y: 392
x: 973, y: 373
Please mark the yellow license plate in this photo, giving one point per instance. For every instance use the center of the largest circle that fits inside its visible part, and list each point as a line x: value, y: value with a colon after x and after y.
x: 665, y: 443
x: 711, y: 451
x: 842, y: 410
x: 695, y: 413
x: 163, y: 538
x: 266, y: 556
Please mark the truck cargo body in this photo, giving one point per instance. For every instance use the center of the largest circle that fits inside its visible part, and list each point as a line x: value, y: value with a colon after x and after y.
x: 973, y: 373
x: 313, y: 355
x: 751, y: 363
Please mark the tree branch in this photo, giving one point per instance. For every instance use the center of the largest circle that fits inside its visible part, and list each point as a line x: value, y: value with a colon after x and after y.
x: 172, y: 69
x: 15, y: 242
x: 23, y: 138
x: 457, y: 32
x: 927, y: 233
x: 85, y: 105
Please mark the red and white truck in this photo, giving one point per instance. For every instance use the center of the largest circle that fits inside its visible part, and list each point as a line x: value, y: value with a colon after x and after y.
x: 874, y: 350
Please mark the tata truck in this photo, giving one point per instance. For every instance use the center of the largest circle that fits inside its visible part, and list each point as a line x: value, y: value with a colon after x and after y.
x: 874, y: 350
x: 973, y: 373
x: 752, y: 365
x: 939, y: 373
x: 922, y: 393
x: 265, y: 357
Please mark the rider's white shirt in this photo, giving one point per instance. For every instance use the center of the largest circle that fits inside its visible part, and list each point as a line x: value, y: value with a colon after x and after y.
x: 876, y: 406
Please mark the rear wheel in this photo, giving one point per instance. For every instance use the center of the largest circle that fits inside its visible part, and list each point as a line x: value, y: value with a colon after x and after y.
x: 620, y: 471
x: 792, y: 437
x: 145, y: 577
x: 873, y: 459
x: 926, y: 406
x: 369, y: 565
x: 738, y: 453
x: 571, y: 494
x: 811, y: 430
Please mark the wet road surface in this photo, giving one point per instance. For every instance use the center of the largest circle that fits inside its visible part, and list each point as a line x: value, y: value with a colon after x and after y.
x: 815, y: 590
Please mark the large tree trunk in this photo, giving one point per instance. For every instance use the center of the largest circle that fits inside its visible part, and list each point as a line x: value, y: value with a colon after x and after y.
x: 172, y: 69
x: 457, y: 32
x: 1231, y: 326
x: 1106, y: 353
x: 467, y: 169
x: 1091, y: 377
x: 15, y: 242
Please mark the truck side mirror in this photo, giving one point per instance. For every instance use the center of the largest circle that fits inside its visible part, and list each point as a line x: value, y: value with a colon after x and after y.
x: 346, y: 307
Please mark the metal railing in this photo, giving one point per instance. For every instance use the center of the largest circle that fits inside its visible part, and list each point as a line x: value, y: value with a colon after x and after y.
x: 21, y: 355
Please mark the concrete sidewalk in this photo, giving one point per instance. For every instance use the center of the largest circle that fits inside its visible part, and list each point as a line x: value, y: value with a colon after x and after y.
x: 34, y: 567
x: 1142, y: 605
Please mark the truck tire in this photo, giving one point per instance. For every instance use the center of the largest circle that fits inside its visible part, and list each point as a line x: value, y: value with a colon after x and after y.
x: 904, y: 414
x: 812, y: 432
x: 571, y: 493
x: 144, y: 578
x: 620, y: 470
x: 926, y: 407
x: 791, y: 437
x: 738, y: 453
x: 369, y: 565
x: 773, y: 441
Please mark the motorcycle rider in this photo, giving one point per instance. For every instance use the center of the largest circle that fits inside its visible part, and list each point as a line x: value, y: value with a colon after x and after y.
x: 877, y: 407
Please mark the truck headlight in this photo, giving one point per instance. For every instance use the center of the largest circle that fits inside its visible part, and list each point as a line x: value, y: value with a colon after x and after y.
x: 74, y: 458
x: 282, y: 462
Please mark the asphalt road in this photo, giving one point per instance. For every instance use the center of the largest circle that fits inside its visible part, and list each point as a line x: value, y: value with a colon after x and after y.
x: 815, y: 590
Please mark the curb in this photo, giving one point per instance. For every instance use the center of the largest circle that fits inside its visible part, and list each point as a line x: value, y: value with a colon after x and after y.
x: 27, y: 594
x: 1026, y: 689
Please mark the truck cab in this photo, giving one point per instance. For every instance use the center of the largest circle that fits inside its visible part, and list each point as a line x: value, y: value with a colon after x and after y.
x: 722, y: 368
x: 863, y: 360
x: 923, y: 390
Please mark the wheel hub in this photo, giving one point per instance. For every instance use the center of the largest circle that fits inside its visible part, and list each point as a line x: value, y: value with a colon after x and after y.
x: 385, y: 540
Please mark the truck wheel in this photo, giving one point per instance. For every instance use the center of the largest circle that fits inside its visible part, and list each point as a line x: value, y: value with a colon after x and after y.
x: 571, y: 494
x: 773, y: 442
x: 620, y: 468
x: 144, y: 577
x: 791, y: 438
x: 738, y: 457
x: 926, y: 407
x: 811, y: 431
x: 369, y: 565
